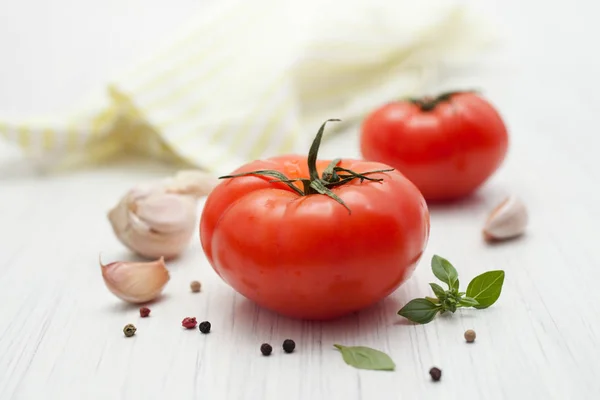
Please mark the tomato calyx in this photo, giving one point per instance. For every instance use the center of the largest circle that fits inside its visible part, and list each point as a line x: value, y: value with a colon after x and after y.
x: 429, y: 103
x: 332, y: 176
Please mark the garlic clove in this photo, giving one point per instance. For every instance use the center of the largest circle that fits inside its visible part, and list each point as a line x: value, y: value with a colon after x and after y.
x: 165, y: 212
x: 136, y: 282
x: 153, y: 223
x: 159, y: 218
x: 141, y: 238
x: 507, y: 220
x: 192, y: 182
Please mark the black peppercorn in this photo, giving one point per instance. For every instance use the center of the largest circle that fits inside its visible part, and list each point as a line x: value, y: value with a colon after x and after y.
x: 436, y: 373
x: 204, y: 327
x: 266, y: 349
x: 129, y: 330
x: 289, y: 345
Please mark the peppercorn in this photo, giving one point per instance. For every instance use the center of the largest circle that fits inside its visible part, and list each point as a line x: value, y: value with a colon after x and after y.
x: 189, y: 322
x: 289, y: 345
x: 195, y: 286
x: 436, y: 373
x: 470, y: 336
x: 266, y: 349
x: 144, y: 312
x: 204, y: 327
x: 129, y: 330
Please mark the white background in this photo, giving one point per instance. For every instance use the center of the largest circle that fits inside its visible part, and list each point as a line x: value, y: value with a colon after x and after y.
x: 60, y: 329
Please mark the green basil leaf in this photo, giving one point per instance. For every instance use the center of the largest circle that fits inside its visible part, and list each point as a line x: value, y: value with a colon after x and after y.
x: 366, y: 358
x: 450, y: 305
x: 468, y: 302
x: 420, y: 311
x: 439, y: 292
x: 444, y: 271
x: 486, y: 288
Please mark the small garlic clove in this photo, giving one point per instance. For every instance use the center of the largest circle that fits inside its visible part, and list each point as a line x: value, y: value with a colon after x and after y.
x: 136, y: 282
x: 507, y: 220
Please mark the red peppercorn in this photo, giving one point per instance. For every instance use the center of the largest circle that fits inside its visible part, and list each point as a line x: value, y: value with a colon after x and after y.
x: 189, y: 322
x: 144, y: 312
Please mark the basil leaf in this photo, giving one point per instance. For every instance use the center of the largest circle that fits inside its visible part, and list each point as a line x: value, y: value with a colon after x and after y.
x: 450, y: 305
x: 468, y: 302
x: 439, y: 292
x: 366, y: 358
x: 420, y: 311
x: 444, y: 271
x: 486, y: 288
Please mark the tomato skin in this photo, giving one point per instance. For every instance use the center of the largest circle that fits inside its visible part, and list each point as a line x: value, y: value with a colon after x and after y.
x: 447, y: 152
x: 305, y: 256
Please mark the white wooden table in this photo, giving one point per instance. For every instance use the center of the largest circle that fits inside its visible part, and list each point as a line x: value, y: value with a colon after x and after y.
x: 61, y: 330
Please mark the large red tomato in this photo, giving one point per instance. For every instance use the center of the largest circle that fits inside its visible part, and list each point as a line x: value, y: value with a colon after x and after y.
x: 447, y: 146
x: 314, y: 239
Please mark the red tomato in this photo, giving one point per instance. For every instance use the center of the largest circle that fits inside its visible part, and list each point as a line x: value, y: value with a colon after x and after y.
x: 306, y: 254
x: 448, y: 146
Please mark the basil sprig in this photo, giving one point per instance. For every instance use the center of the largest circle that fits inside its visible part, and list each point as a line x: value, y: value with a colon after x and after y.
x: 482, y: 292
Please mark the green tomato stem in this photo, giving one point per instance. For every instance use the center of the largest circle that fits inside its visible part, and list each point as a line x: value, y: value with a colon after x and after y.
x: 429, y: 104
x: 330, y: 178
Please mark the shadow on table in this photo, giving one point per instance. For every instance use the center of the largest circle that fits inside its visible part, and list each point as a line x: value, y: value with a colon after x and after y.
x: 378, y: 316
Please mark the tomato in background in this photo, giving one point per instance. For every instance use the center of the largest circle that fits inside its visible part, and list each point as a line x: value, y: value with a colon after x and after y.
x: 317, y: 248
x: 447, y: 146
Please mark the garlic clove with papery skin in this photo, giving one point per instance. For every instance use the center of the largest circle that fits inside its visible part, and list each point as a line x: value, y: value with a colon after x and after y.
x: 192, y: 182
x: 154, y: 224
x: 507, y: 220
x: 164, y: 212
x: 136, y: 282
x: 159, y: 219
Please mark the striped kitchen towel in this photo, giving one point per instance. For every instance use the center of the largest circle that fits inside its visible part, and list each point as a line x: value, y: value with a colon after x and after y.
x: 253, y: 79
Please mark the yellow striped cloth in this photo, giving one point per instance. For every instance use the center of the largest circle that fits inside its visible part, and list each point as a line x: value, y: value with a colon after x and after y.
x: 252, y: 79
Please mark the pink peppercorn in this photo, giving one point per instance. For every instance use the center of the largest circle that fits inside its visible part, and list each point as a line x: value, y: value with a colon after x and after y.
x: 189, y: 322
x: 144, y: 312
